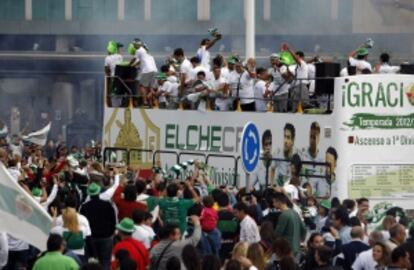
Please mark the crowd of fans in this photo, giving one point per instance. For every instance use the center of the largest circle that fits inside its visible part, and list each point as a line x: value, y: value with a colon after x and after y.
x: 112, y: 218
x: 230, y: 83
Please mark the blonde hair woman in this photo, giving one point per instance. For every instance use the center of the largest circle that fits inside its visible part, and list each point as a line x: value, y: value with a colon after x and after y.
x: 255, y: 254
x: 239, y: 250
x: 71, y: 230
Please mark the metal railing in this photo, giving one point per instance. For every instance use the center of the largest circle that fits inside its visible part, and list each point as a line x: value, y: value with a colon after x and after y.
x: 318, y: 101
x: 208, y: 158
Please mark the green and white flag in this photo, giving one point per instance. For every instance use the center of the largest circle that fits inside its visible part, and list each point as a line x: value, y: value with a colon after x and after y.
x: 38, y: 137
x: 21, y: 215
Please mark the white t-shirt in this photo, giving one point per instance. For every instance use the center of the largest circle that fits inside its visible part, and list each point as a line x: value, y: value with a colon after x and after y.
x: 258, y: 177
x: 278, y: 81
x: 344, y: 72
x: 83, y: 223
x: 283, y: 171
x: 259, y: 91
x: 186, y: 67
x: 111, y: 61
x: 204, y: 56
x: 233, y: 80
x: 222, y: 103
x: 147, y: 62
x: 387, y: 69
x: 197, y: 69
x: 301, y: 72
x: 14, y: 172
x: 364, y: 260
x: 144, y: 234
x: 284, y: 89
x: 319, y: 185
x: 225, y: 72
x: 249, y: 231
x: 16, y: 149
x: 165, y: 87
x: 292, y: 191
x: 359, y: 64
x: 246, y: 91
x: 311, y: 77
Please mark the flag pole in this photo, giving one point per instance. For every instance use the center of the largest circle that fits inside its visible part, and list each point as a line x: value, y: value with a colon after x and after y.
x: 249, y: 7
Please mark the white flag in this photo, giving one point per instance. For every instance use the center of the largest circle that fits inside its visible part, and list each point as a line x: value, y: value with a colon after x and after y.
x: 4, y: 131
x: 38, y: 137
x: 21, y: 215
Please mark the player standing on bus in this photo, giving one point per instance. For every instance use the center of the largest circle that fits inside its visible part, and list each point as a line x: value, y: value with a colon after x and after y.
x: 148, y: 70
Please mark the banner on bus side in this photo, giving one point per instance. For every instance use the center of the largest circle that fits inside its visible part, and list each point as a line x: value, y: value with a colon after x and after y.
x: 281, y: 136
x: 376, y: 135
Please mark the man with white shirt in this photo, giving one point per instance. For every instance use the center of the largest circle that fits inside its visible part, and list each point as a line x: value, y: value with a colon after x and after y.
x: 261, y: 91
x: 365, y: 260
x: 220, y: 87
x: 279, y: 87
x: 196, y: 68
x: 203, y: 54
x: 299, y: 91
x: 292, y: 188
x: 113, y: 58
x: 249, y: 232
x: 258, y: 177
x: 148, y: 70
x: 143, y: 231
x: 166, y: 90
x: 361, y: 62
x: 320, y: 186
x: 228, y: 67
x: 384, y: 67
x: 245, y: 87
x: 185, y: 68
x: 283, y: 168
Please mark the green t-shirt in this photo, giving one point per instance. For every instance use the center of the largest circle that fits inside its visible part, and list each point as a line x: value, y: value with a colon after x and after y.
x: 55, y: 260
x: 291, y: 227
x: 152, y: 202
x: 174, y: 210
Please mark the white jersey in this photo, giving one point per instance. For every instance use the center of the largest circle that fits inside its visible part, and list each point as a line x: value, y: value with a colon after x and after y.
x: 225, y: 72
x: 311, y: 77
x: 320, y: 186
x: 169, y: 89
x: 259, y: 91
x: 258, y: 177
x: 233, y: 80
x: 278, y: 86
x: 246, y: 92
x: 112, y: 61
x: 147, y: 62
x: 223, y: 104
x: 197, y: 69
x: 283, y: 171
x: 83, y: 223
x: 385, y: 68
x: 144, y: 234
x: 301, y: 73
x: 344, y: 72
x: 204, y: 55
x: 186, y: 67
x: 360, y: 64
